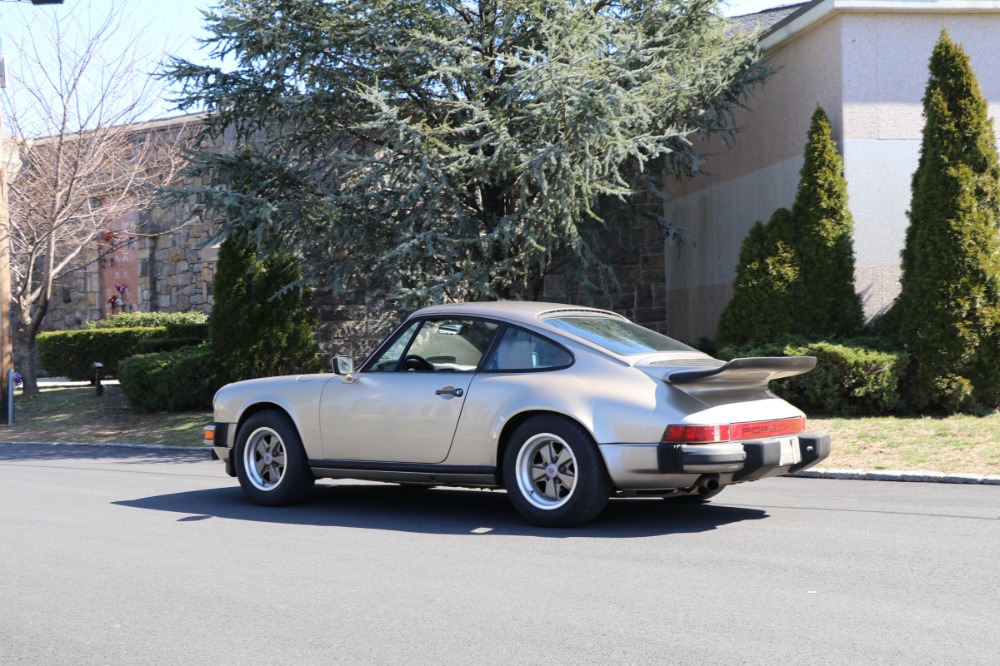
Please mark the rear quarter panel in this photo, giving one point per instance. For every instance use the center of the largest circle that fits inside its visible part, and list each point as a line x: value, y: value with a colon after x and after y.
x: 613, y: 401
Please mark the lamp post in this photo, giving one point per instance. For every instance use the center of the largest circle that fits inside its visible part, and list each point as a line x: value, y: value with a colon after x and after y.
x: 6, y: 335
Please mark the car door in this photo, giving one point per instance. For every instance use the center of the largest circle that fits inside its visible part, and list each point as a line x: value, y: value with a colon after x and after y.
x: 405, y: 404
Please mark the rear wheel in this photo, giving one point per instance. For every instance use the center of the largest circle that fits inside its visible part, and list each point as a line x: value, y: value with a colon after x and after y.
x: 271, y: 461
x: 554, y: 474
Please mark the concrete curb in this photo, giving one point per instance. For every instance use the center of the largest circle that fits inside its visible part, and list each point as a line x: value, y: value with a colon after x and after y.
x: 846, y: 474
x: 920, y: 477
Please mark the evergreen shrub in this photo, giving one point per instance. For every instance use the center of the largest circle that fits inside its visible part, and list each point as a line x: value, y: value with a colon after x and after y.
x: 796, y: 273
x: 852, y: 377
x: 762, y: 303
x: 156, y: 345
x: 197, y: 330
x: 257, y: 329
x: 947, y: 315
x: 71, y: 353
x: 172, y: 381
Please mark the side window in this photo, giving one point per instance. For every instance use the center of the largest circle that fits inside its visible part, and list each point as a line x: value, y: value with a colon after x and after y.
x: 449, y: 345
x: 389, y: 359
x: 520, y: 350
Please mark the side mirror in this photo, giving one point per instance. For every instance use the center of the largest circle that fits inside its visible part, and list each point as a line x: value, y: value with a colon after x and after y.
x: 344, y: 365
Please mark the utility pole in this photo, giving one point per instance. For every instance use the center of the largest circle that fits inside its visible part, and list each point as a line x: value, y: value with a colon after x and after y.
x: 6, y: 334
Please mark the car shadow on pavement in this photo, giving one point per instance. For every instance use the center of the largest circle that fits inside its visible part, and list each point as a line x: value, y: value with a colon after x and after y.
x: 443, y: 511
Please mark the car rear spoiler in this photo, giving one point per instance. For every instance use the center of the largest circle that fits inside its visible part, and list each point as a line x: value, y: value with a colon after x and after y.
x: 756, y: 371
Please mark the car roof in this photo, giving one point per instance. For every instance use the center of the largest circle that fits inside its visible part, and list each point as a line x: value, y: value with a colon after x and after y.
x: 528, y: 312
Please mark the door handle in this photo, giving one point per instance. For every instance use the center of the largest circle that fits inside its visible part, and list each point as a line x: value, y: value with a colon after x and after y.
x: 450, y: 390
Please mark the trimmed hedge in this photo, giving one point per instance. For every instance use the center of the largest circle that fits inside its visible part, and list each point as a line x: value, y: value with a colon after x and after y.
x: 157, y: 345
x: 148, y: 319
x: 858, y: 376
x: 185, y: 330
x: 173, y: 381
x: 71, y: 353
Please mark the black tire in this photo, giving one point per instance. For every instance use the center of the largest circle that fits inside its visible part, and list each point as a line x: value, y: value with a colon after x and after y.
x: 554, y: 474
x: 695, y: 498
x: 271, y: 462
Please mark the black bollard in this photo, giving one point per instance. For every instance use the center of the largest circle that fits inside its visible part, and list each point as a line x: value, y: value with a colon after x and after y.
x: 98, y: 387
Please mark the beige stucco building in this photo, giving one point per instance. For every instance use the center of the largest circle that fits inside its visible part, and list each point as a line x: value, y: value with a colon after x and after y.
x: 866, y: 63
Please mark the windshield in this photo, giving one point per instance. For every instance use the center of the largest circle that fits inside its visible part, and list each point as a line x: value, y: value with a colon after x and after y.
x: 618, y: 335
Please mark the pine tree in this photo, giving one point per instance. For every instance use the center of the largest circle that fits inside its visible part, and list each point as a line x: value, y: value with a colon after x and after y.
x: 948, y: 311
x: 435, y: 151
x: 827, y: 303
x: 255, y: 332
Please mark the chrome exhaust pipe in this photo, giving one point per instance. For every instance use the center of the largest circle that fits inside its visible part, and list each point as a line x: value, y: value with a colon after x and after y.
x: 706, y: 483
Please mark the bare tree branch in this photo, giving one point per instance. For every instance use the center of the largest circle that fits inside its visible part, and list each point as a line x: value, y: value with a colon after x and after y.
x: 80, y: 85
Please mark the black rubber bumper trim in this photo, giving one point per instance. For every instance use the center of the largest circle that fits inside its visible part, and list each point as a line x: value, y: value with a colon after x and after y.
x: 672, y: 458
x: 762, y: 457
x: 814, y: 447
x: 418, y: 468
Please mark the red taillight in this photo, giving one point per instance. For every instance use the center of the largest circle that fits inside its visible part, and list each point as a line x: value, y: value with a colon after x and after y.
x: 724, y: 432
x: 763, y: 429
x: 697, y: 434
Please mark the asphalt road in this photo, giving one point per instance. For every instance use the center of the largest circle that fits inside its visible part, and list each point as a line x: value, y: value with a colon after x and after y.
x: 130, y: 556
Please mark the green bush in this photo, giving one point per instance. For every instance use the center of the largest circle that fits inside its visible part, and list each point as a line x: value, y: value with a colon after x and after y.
x: 256, y: 331
x: 188, y: 330
x: 796, y: 273
x: 148, y: 319
x: 763, y: 302
x: 858, y: 376
x: 71, y: 353
x: 173, y: 381
x: 157, y: 345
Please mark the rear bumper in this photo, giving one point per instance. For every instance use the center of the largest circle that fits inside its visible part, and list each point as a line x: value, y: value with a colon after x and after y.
x: 671, y: 466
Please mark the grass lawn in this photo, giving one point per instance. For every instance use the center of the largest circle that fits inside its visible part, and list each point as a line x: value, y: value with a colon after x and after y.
x: 953, y: 445
x: 957, y: 444
x: 74, y: 413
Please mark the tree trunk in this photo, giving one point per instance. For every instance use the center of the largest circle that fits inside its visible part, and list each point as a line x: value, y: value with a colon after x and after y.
x: 24, y: 342
x: 25, y: 332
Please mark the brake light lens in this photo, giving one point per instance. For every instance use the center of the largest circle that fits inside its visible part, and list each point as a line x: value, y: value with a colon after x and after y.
x: 697, y: 434
x: 725, y: 432
x: 762, y: 429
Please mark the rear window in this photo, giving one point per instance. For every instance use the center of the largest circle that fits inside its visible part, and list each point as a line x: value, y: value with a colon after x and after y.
x: 618, y: 335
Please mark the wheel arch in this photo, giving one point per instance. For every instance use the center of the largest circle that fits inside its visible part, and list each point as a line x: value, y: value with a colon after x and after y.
x: 515, y: 422
x: 259, y: 407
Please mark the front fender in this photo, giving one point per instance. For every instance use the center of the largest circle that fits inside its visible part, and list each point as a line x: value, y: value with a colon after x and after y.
x: 297, y: 396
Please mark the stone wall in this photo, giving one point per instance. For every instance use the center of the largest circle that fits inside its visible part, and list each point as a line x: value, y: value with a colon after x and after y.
x: 636, y: 256
x: 171, y: 253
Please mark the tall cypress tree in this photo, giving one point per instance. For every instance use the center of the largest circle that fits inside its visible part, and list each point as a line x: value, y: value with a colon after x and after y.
x: 826, y: 302
x: 796, y: 273
x: 948, y: 312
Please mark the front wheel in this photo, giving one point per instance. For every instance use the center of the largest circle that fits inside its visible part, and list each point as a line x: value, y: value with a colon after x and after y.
x: 271, y: 461
x: 554, y: 474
